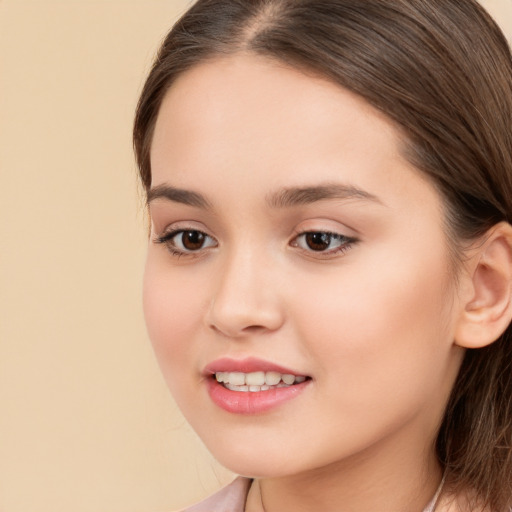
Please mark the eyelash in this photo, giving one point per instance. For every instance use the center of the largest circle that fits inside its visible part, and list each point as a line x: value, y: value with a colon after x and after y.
x: 346, y: 243
x: 168, y: 237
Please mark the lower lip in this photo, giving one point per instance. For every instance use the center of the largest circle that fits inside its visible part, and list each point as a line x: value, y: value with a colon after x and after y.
x: 252, y: 402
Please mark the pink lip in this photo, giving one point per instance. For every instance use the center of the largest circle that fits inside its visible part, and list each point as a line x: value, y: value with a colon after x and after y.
x: 248, y: 365
x: 250, y: 402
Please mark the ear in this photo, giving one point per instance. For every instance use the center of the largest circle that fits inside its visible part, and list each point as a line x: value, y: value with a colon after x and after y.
x: 487, y: 303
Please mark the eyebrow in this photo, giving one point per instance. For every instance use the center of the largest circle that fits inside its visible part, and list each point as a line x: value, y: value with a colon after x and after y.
x: 178, y: 195
x: 297, y: 196
x: 285, y: 198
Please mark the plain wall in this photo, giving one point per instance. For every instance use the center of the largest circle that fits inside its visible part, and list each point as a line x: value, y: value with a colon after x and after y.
x: 86, y: 423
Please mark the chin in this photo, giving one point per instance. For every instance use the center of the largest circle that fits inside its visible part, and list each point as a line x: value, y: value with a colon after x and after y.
x: 255, y: 468
x: 253, y: 459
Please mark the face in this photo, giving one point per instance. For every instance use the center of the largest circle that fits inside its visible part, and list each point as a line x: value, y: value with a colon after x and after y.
x: 296, y: 256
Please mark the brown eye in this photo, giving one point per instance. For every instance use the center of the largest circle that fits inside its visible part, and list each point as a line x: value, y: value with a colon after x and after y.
x: 185, y: 241
x: 192, y: 240
x: 318, y: 241
x: 324, y: 242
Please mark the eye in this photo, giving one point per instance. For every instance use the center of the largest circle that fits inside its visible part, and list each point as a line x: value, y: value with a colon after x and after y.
x: 185, y: 241
x: 322, y: 242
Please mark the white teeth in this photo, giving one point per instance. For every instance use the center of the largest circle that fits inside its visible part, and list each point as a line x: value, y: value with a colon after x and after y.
x: 288, y: 379
x: 257, y: 381
x: 220, y: 376
x: 272, y: 378
x: 236, y: 378
x: 237, y: 388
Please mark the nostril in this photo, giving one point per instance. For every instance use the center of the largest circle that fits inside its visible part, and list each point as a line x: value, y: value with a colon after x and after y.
x: 250, y: 329
x: 254, y: 328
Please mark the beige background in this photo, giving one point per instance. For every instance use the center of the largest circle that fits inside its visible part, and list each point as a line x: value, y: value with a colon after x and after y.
x: 86, y: 423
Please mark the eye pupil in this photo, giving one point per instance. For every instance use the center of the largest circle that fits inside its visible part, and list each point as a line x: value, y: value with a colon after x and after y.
x: 193, y: 240
x: 318, y: 241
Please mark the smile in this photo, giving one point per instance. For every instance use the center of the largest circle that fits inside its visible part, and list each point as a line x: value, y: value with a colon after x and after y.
x: 252, y: 386
x: 255, y: 382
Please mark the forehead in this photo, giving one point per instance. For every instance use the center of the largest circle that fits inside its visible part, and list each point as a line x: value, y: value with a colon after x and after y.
x: 253, y: 99
x: 249, y: 124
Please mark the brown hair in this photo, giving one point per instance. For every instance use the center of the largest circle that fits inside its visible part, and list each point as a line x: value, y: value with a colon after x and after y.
x: 442, y: 71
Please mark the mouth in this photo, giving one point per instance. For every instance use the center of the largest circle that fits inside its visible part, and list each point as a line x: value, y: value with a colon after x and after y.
x: 255, y: 382
x: 252, y: 386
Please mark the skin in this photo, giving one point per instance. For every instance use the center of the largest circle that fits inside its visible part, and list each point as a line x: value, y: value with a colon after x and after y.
x: 372, y: 322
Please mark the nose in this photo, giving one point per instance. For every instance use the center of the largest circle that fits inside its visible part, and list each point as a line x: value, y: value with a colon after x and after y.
x: 246, y: 300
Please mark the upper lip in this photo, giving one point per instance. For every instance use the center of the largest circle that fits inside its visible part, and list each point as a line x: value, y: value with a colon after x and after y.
x: 247, y: 365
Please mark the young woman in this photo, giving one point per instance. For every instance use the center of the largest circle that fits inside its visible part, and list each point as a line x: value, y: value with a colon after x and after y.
x: 329, y: 273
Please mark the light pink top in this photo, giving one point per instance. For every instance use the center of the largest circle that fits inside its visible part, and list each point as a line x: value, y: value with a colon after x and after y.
x: 229, y: 499
x: 232, y: 499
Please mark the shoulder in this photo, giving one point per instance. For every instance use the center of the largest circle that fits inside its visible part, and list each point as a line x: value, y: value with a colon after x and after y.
x: 229, y: 499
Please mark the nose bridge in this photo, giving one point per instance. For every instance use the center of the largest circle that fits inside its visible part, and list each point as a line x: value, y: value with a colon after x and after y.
x: 246, y: 297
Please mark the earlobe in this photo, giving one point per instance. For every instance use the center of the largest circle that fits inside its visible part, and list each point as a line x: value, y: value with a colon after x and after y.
x: 487, y: 310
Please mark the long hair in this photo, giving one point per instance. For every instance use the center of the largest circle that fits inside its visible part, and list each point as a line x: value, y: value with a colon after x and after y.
x: 442, y: 71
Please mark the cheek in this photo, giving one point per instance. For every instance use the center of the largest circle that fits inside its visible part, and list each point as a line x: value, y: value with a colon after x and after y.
x: 382, y: 331
x: 171, y: 310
